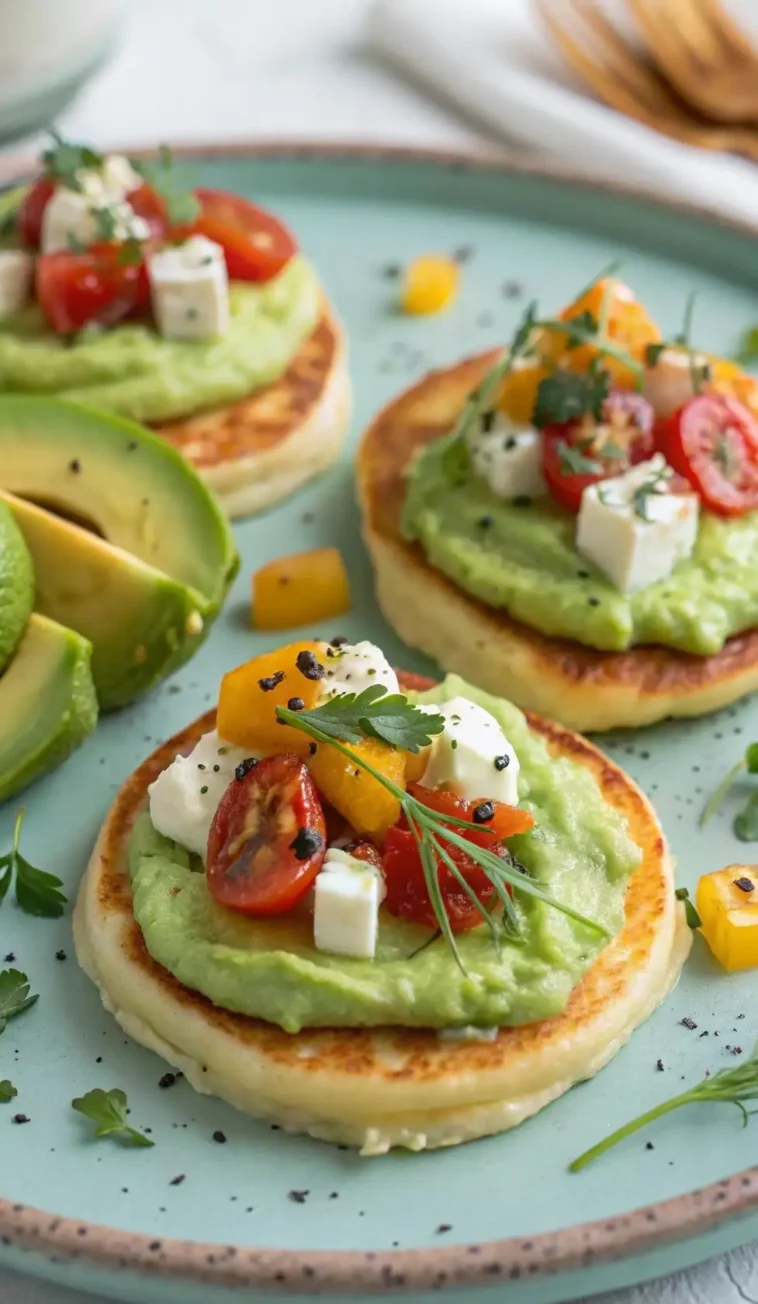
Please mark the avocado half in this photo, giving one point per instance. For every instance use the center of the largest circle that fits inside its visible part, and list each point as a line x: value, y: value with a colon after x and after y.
x: 48, y: 704
x: 129, y: 547
x: 16, y: 586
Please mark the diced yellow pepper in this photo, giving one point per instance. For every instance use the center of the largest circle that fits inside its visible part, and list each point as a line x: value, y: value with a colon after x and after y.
x: 627, y: 324
x: 518, y: 392
x: 728, y: 378
x: 250, y: 695
x: 366, y: 805
x: 727, y: 902
x: 430, y: 284
x: 300, y: 589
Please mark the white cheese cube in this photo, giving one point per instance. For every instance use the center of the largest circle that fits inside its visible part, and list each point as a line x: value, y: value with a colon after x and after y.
x: 71, y: 219
x: 190, y: 290
x: 119, y: 178
x: 508, y: 457
x: 634, y: 528
x: 472, y: 756
x: 16, y: 268
x: 185, y: 797
x: 356, y: 666
x: 347, y: 896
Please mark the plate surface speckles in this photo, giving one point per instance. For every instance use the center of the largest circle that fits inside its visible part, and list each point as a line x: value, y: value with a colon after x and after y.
x: 508, y: 1207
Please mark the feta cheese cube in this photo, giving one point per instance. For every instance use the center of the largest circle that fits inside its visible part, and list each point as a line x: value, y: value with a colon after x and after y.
x: 347, y: 896
x: 634, y: 528
x: 185, y: 796
x: 190, y: 290
x: 472, y: 756
x: 71, y: 217
x: 16, y: 268
x: 357, y: 666
x: 114, y: 179
x: 508, y: 457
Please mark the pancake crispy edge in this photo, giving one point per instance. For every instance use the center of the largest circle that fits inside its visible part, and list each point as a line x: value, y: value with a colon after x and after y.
x: 256, y: 452
x: 379, y: 1088
x: 586, y: 689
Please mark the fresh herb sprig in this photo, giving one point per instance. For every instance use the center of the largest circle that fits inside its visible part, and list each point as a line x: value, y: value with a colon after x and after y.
x: 731, y: 1086
x: 746, y: 822
x: 108, y: 1109
x: 700, y: 369
x: 690, y: 911
x: 567, y: 395
x: 63, y: 161
x: 37, y: 892
x: 169, y: 181
x: 338, y: 720
x: 15, y: 995
x: 747, y: 349
x: 7, y: 1091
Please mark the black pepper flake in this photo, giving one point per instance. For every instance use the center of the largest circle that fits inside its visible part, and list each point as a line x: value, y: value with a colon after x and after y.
x: 649, y: 1145
x: 521, y: 500
x: 444, y: 1227
x: 488, y: 420
x: 688, y: 1023
x: 298, y: 1197
x: 335, y: 1195
x: 306, y: 843
x: 296, y: 704
x: 167, y: 1081
x: 220, y: 1137
x: 463, y: 254
x: 513, y: 290
x: 509, y: 443
x: 745, y: 884
x: 75, y: 466
x: 582, y: 575
x: 21, y: 1118
x: 9, y: 958
x: 485, y: 522
x: 502, y: 762
x: 593, y: 602
x: 244, y: 768
x: 177, y: 1181
x: 339, y: 641
x: 270, y: 681
x: 60, y: 955
x: 659, y: 1065
x: 483, y: 813
x: 309, y: 665
x: 312, y: 749
x: 132, y: 446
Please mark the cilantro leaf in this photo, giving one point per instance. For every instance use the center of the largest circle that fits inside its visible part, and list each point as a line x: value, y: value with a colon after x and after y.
x: 14, y: 995
x: 567, y: 395
x: 182, y: 205
x: 108, y: 1110
x: 374, y: 713
x: 37, y: 892
x: 573, y: 461
x: 63, y: 160
x: 653, y: 353
x: 7, y: 1091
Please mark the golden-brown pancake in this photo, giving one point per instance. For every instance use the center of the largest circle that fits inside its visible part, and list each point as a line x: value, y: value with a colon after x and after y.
x: 379, y: 1088
x: 255, y: 452
x: 564, y: 680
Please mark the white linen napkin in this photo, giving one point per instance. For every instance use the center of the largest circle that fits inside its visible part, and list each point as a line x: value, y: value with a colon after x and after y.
x: 493, y: 59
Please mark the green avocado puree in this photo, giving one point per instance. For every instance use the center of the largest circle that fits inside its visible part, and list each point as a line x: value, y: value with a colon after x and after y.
x: 579, y: 850
x: 522, y: 558
x: 130, y: 370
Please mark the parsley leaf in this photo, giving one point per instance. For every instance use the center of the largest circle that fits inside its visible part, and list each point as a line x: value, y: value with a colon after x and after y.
x: 654, y: 487
x: 375, y: 713
x: 63, y: 160
x: 108, y: 1110
x: 573, y: 461
x: 746, y: 822
x: 692, y: 916
x: 14, y: 995
x: 653, y: 353
x: 182, y: 205
x: 106, y: 223
x: 7, y: 1091
x: 37, y: 892
x: 568, y: 395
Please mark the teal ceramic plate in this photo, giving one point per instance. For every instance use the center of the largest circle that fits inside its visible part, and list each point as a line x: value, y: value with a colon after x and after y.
x: 503, y: 1215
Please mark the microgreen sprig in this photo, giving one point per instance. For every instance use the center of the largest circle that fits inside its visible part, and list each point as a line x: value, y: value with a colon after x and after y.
x: 745, y: 827
x: 432, y: 833
x: 732, y: 1086
x: 108, y: 1109
x: 162, y: 173
x: 63, y: 161
x: 37, y: 892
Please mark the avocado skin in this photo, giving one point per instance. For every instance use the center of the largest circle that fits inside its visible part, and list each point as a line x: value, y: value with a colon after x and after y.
x: 48, y: 704
x: 16, y: 586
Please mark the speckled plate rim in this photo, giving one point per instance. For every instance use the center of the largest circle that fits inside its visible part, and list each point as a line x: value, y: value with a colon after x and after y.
x: 316, y: 1272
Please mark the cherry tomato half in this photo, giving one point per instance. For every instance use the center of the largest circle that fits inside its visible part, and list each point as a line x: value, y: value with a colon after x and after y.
x: 149, y: 205
x: 95, y: 286
x: 576, y: 454
x: 268, y: 838
x: 32, y: 210
x: 407, y: 893
x: 713, y: 442
x: 256, y: 244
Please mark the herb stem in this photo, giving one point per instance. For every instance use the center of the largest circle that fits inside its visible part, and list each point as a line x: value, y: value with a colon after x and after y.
x: 603, y: 346
x: 716, y: 798
x: 651, y: 1115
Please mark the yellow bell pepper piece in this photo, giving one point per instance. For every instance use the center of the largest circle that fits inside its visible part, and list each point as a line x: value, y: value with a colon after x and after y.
x: 430, y: 284
x: 366, y: 805
x: 300, y: 589
x: 627, y: 324
x: 250, y: 695
x: 727, y: 902
x: 729, y: 379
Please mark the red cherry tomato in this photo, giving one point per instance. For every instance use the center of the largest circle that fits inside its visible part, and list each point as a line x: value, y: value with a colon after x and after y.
x: 365, y: 851
x: 407, y: 893
x: 149, y: 205
x: 96, y: 286
x: 713, y: 442
x: 32, y: 210
x: 256, y: 244
x: 267, y: 839
x: 576, y: 454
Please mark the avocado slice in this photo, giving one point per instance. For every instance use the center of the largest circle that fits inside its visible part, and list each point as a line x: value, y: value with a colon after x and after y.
x: 16, y: 586
x: 136, y: 618
x: 47, y: 703
x: 122, y: 482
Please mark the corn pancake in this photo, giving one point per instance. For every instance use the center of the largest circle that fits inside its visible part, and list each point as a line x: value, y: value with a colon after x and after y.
x: 380, y: 1088
x: 255, y: 452
x: 584, y: 688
